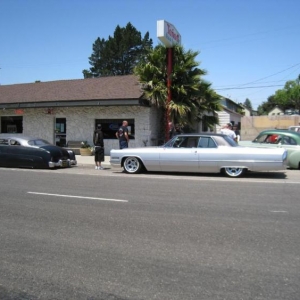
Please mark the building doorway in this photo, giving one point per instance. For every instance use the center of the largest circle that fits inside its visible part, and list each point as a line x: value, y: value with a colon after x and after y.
x: 60, y: 132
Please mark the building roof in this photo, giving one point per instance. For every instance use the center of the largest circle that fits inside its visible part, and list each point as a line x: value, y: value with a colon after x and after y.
x: 102, y: 88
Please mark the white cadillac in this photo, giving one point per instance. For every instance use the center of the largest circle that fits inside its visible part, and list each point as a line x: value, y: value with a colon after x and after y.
x: 199, y: 153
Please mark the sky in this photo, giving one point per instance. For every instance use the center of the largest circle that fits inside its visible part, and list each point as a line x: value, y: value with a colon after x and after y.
x: 248, y: 48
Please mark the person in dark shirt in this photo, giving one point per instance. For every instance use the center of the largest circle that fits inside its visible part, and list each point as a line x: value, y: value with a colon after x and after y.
x: 171, y: 130
x: 122, y: 135
x: 178, y: 129
x: 99, y: 147
x: 237, y: 133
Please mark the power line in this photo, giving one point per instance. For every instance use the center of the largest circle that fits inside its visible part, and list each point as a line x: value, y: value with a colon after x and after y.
x: 271, y: 75
x: 250, y: 87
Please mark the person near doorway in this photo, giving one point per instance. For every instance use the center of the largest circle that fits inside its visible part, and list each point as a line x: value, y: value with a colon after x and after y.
x: 122, y: 135
x: 237, y: 133
x: 171, y: 130
x: 99, y: 147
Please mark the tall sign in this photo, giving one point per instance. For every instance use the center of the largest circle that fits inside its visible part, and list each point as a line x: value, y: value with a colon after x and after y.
x: 170, y: 37
x: 168, y: 34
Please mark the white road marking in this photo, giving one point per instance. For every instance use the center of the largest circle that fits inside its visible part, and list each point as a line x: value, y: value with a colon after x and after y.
x: 80, y: 197
x: 278, y: 211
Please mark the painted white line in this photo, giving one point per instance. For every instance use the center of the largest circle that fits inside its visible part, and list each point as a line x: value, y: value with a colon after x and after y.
x: 80, y: 197
x: 278, y: 211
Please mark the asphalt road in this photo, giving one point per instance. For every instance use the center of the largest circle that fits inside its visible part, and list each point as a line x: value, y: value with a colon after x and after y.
x: 81, y: 233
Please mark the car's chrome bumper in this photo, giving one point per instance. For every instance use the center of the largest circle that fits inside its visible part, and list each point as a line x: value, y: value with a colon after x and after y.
x: 73, y: 162
x: 61, y: 163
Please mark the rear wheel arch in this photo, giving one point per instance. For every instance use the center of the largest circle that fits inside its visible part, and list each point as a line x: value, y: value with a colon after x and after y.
x: 295, y: 157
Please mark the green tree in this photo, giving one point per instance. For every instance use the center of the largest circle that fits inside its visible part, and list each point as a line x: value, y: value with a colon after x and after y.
x: 118, y: 55
x: 192, y: 97
x: 286, y: 98
x: 267, y: 106
x: 248, y: 104
x: 289, y: 96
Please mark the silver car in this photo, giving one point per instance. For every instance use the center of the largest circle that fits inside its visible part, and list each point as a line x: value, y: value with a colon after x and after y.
x: 199, y: 153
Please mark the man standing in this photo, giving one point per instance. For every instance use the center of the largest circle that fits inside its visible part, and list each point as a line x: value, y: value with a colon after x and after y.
x: 227, y: 130
x: 178, y: 129
x: 122, y: 135
x: 237, y: 133
x: 99, y: 147
x: 171, y: 130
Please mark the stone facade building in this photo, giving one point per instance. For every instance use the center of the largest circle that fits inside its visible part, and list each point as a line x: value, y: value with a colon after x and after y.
x: 68, y: 110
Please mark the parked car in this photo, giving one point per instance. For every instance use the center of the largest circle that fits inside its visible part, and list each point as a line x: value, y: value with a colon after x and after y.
x: 276, y: 138
x: 199, y: 153
x: 30, y: 152
x: 295, y: 128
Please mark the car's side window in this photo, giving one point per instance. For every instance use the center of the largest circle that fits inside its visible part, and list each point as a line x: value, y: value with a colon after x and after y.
x: 261, y: 139
x: 3, y: 141
x: 180, y: 142
x: 192, y: 142
x: 293, y: 141
x: 286, y: 140
x: 267, y: 138
x: 273, y: 139
x: 206, y: 142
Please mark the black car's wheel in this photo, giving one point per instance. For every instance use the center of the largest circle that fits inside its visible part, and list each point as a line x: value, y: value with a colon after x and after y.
x: 132, y: 165
x: 234, y: 172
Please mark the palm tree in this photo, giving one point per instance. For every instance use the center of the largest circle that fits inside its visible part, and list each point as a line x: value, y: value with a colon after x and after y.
x: 192, y: 96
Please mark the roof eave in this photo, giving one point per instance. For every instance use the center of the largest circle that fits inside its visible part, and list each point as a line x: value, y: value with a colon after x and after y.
x: 110, y: 102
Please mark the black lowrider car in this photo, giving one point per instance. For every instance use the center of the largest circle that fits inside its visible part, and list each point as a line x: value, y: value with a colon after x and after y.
x: 29, y: 152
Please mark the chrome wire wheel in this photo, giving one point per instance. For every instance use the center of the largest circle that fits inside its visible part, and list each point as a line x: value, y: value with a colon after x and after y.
x: 132, y: 165
x: 234, y: 172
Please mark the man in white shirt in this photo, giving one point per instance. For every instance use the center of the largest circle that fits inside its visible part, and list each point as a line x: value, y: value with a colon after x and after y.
x: 227, y: 130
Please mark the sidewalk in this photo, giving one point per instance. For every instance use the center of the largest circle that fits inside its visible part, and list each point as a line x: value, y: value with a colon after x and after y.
x: 90, y: 160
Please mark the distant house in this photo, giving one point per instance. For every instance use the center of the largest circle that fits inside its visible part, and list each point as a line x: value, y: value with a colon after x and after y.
x: 247, y: 112
x: 232, y: 112
x: 276, y: 111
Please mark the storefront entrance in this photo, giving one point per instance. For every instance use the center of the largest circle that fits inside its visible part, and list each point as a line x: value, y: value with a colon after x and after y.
x: 60, y: 132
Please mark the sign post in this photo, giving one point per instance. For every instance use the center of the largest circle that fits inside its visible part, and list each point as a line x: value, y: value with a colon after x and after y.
x: 169, y: 36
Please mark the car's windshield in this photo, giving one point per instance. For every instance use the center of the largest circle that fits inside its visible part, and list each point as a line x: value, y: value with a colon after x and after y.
x: 38, y: 142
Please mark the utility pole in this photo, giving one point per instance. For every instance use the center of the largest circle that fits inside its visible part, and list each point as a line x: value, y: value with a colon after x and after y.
x: 298, y: 95
x: 170, y: 37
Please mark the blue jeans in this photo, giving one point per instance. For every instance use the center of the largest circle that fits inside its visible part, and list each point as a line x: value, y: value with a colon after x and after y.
x: 123, y: 144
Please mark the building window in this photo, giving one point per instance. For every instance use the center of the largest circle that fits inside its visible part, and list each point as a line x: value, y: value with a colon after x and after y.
x: 13, y: 124
x: 111, y: 126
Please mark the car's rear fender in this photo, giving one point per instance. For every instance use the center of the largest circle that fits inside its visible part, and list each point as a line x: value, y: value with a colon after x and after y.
x: 294, y: 159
